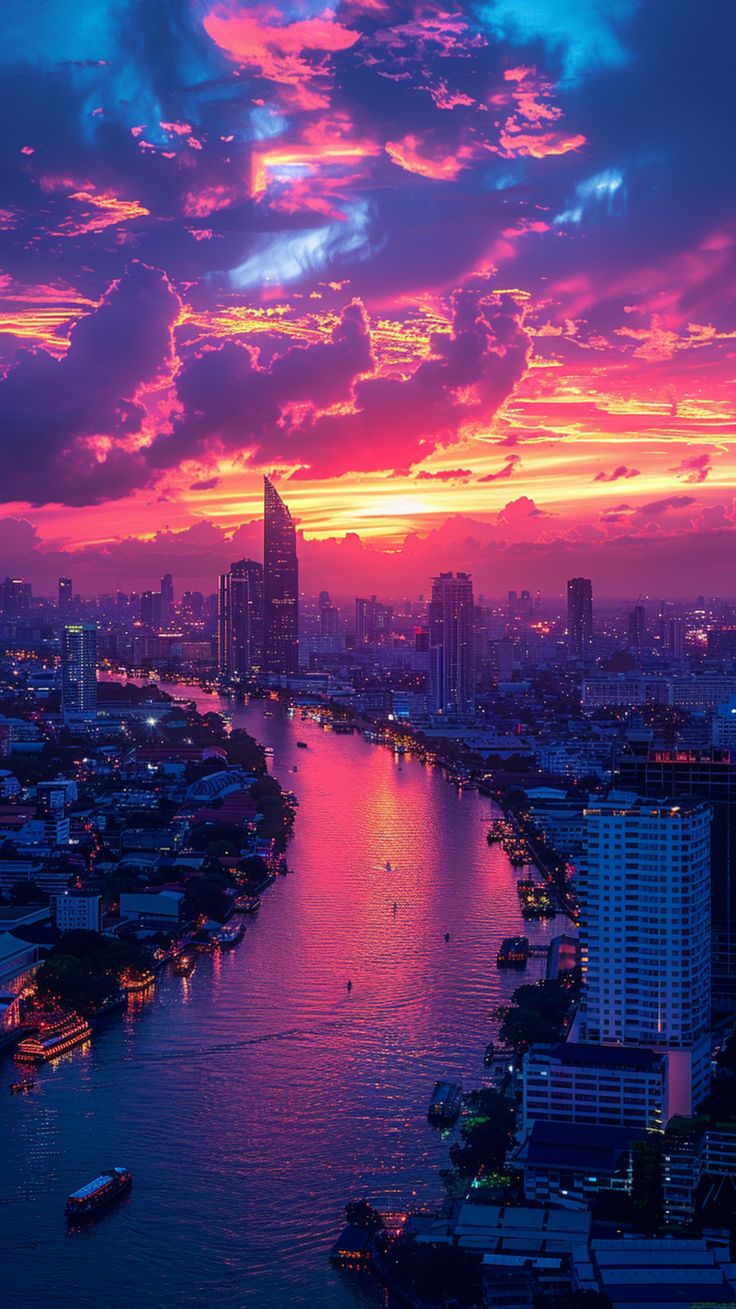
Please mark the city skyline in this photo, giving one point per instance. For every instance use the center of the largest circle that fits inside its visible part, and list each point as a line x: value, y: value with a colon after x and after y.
x: 432, y: 269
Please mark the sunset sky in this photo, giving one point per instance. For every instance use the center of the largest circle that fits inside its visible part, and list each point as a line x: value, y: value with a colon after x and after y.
x: 461, y: 277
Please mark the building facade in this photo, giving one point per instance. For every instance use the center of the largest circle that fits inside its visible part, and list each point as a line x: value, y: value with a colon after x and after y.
x: 597, y: 1085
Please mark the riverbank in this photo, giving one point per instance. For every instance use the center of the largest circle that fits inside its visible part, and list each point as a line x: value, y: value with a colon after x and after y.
x: 188, y: 829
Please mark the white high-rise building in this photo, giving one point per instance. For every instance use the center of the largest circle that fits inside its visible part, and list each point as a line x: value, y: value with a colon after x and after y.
x: 644, y: 884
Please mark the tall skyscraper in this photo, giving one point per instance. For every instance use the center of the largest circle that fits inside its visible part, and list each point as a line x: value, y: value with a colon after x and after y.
x: 240, y: 620
x: 151, y: 609
x: 644, y: 885
x: 65, y: 596
x: 579, y: 615
x: 79, y: 670
x: 452, y: 672
x: 167, y: 599
x: 280, y: 585
x: 637, y: 627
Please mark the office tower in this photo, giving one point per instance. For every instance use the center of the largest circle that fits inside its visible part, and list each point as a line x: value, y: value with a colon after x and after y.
x: 644, y: 883
x: 676, y: 638
x: 579, y: 616
x: 167, y: 599
x: 65, y: 596
x: 708, y: 775
x: 280, y: 585
x: 637, y: 627
x: 240, y: 620
x: 373, y: 621
x: 15, y: 597
x: 452, y: 646
x: 151, y: 609
x: 329, y: 616
x: 79, y: 670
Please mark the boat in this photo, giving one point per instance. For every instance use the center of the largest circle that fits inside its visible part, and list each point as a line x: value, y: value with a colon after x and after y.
x: 445, y: 1103
x: 302, y: 745
x: 513, y: 952
x: 98, y: 1193
x: 229, y: 935
x: 54, y: 1038
x: 133, y: 985
x: 23, y: 1086
x: 185, y: 964
x: 353, y: 1249
x: 248, y: 904
x: 536, y: 901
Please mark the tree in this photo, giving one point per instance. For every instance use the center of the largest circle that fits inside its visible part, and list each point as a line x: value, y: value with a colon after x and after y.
x: 205, y: 896
x: 360, y: 1213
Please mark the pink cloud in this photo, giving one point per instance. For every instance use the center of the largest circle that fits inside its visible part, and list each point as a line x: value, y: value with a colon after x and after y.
x: 294, y: 56
x: 695, y: 469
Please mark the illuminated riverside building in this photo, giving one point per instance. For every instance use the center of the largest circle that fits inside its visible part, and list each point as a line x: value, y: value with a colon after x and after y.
x: 79, y: 670
x: 280, y: 585
x: 452, y: 663
x: 644, y: 885
x: 240, y: 620
x: 579, y: 615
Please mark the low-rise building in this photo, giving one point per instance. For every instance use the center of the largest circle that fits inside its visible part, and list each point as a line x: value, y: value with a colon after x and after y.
x: 154, y: 910
x: 660, y: 1272
x: 568, y: 1164
x: 76, y: 910
x: 610, y: 1086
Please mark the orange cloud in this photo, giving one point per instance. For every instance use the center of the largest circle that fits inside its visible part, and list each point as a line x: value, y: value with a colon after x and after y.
x: 409, y: 153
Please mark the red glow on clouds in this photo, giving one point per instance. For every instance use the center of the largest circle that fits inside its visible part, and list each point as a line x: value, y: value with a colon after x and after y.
x: 399, y: 253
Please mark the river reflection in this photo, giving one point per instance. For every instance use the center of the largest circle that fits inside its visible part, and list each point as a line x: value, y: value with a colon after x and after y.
x: 253, y: 1099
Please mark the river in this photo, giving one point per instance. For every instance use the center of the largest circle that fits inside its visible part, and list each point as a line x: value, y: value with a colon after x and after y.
x: 254, y: 1099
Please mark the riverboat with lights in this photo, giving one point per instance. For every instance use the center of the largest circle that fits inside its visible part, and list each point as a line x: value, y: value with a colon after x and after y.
x: 229, y: 935
x: 54, y: 1038
x: 514, y: 952
x: 98, y: 1193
